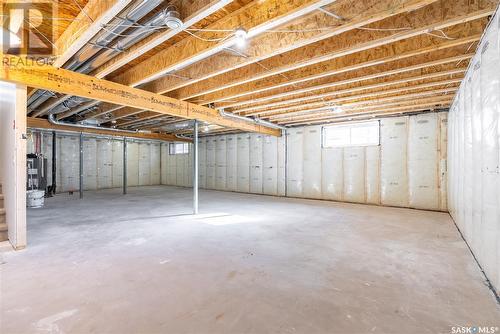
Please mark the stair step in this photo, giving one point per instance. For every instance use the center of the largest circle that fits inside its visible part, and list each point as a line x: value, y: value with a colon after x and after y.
x: 2, y: 211
x: 3, y: 227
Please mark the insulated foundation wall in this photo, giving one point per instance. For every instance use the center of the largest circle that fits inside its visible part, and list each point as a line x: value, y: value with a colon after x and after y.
x: 473, y: 155
x: 177, y: 169
x: 102, y: 160
x: 407, y: 169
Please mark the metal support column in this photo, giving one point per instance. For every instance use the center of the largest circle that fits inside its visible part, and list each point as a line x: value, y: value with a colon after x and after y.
x: 195, y: 168
x: 54, y: 163
x: 124, y: 165
x: 81, y: 165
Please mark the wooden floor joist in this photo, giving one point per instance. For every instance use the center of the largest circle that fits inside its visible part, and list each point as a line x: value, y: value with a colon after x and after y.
x: 252, y: 88
x: 406, y: 83
x: 425, y: 103
x: 330, y: 102
x: 271, y: 44
x: 30, y: 73
x: 355, y: 79
x: 256, y: 17
x: 338, y: 66
x: 363, y: 104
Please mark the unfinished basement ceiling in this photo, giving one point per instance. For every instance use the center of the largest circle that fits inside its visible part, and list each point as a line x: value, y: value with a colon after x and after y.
x: 301, y: 63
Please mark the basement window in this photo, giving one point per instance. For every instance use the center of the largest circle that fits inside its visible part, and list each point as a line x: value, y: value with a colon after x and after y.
x: 344, y: 135
x: 178, y: 148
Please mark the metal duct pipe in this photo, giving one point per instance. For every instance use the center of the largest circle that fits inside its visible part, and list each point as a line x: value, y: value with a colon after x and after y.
x: 124, y: 43
x: 66, y: 105
x: 52, y: 120
x: 101, y: 41
x: 182, y: 125
x: 117, y: 26
x: 39, y: 97
x: 183, y: 137
x: 251, y: 120
x: 269, y: 124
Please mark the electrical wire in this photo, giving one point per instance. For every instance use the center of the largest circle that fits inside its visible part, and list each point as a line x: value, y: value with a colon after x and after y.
x: 82, y: 10
x: 209, y: 39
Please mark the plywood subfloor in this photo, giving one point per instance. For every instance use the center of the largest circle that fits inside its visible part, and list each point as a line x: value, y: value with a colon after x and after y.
x: 247, y: 264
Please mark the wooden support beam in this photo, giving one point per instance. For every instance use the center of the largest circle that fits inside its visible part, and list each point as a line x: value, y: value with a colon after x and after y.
x: 256, y: 17
x: 28, y: 72
x: 40, y: 123
x: 354, y: 79
x: 271, y: 44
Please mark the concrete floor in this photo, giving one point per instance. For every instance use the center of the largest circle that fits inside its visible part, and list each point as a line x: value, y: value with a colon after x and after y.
x: 247, y: 264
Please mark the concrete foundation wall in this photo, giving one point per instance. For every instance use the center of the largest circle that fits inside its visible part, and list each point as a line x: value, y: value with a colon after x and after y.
x: 103, y: 161
x: 474, y: 151
x: 13, y: 160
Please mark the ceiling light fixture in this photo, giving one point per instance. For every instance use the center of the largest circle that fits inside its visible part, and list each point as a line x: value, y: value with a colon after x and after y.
x: 241, y: 37
x: 173, y: 18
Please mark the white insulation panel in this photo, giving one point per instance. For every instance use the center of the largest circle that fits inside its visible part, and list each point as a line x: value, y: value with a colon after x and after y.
x: 256, y: 161
x: 220, y: 163
x: 117, y: 170
x: 393, y: 161
x: 155, y: 163
x: 69, y: 163
x: 144, y: 164
x: 132, y: 164
x: 270, y: 165
x: 354, y: 174
x: 311, y: 168
x: 295, y: 166
x: 243, y: 162
x: 104, y: 163
x: 474, y: 155
x: 231, y: 161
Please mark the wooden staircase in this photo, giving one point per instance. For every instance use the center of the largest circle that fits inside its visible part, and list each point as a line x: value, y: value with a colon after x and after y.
x: 3, y: 222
